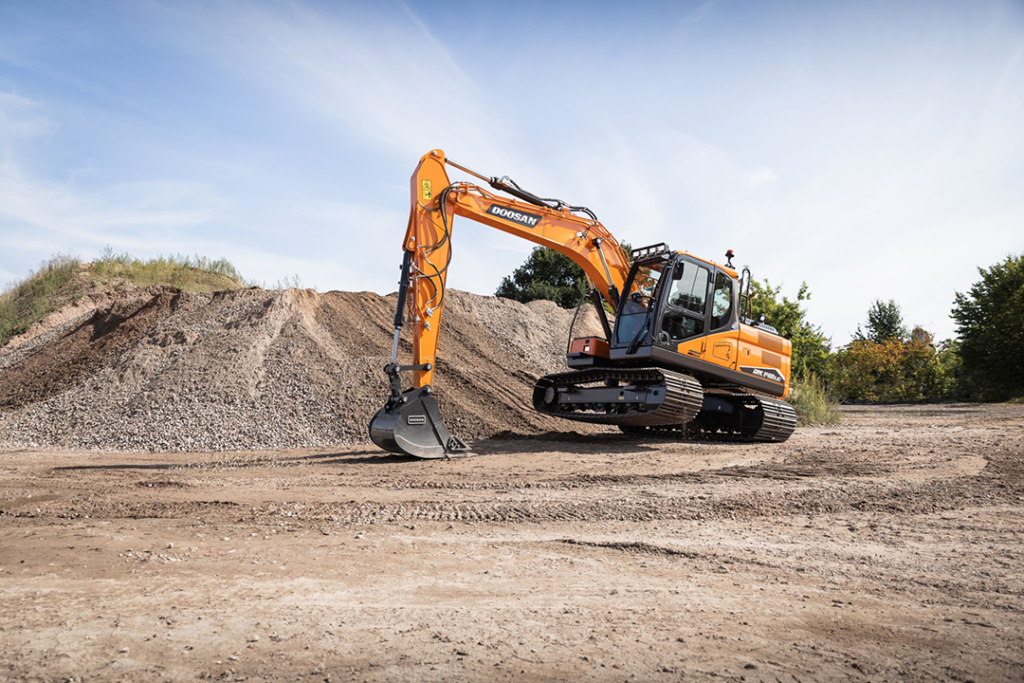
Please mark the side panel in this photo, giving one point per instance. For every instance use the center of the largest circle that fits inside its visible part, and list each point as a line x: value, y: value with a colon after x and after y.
x: 694, y: 348
x: 722, y: 348
x: 589, y: 346
x: 764, y: 355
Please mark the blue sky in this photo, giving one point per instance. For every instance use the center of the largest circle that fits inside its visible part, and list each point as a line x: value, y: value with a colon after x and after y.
x: 872, y: 149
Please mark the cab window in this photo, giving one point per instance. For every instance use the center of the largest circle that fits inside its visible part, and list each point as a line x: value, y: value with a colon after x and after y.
x: 690, y: 289
x: 684, y: 317
x: 680, y: 326
x: 721, y: 303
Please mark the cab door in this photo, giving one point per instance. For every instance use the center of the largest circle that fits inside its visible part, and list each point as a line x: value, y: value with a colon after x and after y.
x: 684, y: 314
x: 723, y: 335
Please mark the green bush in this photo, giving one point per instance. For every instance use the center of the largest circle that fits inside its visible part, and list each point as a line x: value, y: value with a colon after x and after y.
x: 550, y: 276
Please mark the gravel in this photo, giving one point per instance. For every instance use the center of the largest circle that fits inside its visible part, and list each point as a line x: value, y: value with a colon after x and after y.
x: 159, y: 370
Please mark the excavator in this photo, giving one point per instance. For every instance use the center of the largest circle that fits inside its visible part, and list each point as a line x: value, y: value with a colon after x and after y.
x: 680, y: 356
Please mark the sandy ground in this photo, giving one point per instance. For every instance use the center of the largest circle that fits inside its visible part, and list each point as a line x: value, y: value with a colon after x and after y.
x: 888, y: 548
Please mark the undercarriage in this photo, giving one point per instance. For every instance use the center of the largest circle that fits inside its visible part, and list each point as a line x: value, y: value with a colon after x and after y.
x: 658, y: 401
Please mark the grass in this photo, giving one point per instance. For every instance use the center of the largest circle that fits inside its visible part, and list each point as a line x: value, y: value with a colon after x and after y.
x: 812, y: 401
x: 42, y: 292
x: 189, y: 273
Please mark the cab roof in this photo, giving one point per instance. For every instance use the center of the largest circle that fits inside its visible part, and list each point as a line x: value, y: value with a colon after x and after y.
x: 731, y: 272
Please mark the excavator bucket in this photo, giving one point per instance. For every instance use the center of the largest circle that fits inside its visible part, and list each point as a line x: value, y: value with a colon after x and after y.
x: 411, y: 424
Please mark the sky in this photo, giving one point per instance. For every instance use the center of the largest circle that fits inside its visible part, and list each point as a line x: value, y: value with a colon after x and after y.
x: 874, y: 150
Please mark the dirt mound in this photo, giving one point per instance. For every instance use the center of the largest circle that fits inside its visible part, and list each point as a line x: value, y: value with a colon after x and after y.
x: 160, y: 369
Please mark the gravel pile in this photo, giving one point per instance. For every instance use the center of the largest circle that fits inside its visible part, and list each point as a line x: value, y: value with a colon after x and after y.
x: 160, y: 370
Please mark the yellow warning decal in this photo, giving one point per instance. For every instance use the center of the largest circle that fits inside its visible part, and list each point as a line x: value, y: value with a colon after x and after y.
x: 425, y: 190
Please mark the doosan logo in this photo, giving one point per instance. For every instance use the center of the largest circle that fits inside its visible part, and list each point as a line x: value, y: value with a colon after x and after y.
x: 528, y: 219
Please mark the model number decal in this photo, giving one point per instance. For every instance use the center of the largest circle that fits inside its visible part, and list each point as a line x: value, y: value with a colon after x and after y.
x: 765, y: 373
x: 522, y: 218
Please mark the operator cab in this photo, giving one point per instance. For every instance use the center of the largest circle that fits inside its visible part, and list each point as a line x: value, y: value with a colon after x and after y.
x: 672, y: 297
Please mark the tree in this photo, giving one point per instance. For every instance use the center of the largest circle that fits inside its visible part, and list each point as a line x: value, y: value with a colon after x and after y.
x: 548, y: 275
x: 885, y: 322
x: 811, y: 348
x: 545, y: 275
x: 989, y: 320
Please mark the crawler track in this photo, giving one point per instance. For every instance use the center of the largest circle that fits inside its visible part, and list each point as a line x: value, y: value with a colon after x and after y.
x: 626, y: 397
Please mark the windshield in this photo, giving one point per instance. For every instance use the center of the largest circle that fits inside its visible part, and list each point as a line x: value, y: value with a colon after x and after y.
x: 632, y: 320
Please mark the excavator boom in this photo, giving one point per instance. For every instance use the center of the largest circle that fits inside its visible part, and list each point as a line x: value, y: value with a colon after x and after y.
x: 410, y: 422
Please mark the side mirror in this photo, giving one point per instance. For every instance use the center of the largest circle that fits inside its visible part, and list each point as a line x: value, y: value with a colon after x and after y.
x: 677, y: 274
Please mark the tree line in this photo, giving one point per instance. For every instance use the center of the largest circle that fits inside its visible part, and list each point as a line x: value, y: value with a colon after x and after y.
x: 886, y: 361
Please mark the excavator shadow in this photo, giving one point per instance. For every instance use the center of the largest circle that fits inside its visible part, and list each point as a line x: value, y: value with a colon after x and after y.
x: 573, y: 442
x: 371, y: 456
x: 367, y: 456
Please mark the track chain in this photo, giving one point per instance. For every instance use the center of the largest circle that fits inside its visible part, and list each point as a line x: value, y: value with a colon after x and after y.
x: 778, y: 421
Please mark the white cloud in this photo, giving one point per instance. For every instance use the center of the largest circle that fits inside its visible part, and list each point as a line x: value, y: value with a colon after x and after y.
x: 124, y: 216
x: 20, y: 118
x: 760, y: 176
x: 377, y: 72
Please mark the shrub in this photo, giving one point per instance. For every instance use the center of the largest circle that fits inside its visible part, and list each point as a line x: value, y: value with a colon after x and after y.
x: 894, y: 371
x: 813, y: 402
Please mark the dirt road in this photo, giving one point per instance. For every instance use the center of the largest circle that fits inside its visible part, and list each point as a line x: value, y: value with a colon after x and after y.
x: 888, y: 548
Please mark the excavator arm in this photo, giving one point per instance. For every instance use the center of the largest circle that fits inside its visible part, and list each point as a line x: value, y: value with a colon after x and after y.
x: 410, y: 422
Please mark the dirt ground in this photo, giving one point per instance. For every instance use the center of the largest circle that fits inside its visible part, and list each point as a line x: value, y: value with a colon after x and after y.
x: 888, y: 548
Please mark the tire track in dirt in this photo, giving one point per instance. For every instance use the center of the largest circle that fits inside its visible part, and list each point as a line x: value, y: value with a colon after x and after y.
x: 700, y: 504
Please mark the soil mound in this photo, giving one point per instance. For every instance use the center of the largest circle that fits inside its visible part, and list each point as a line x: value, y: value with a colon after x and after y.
x: 161, y: 369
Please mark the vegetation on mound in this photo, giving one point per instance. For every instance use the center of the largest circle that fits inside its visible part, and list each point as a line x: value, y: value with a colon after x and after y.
x: 64, y: 279
x: 188, y: 273
x: 42, y: 292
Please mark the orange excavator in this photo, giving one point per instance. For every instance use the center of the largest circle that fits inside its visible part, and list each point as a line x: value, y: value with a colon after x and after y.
x: 680, y: 356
